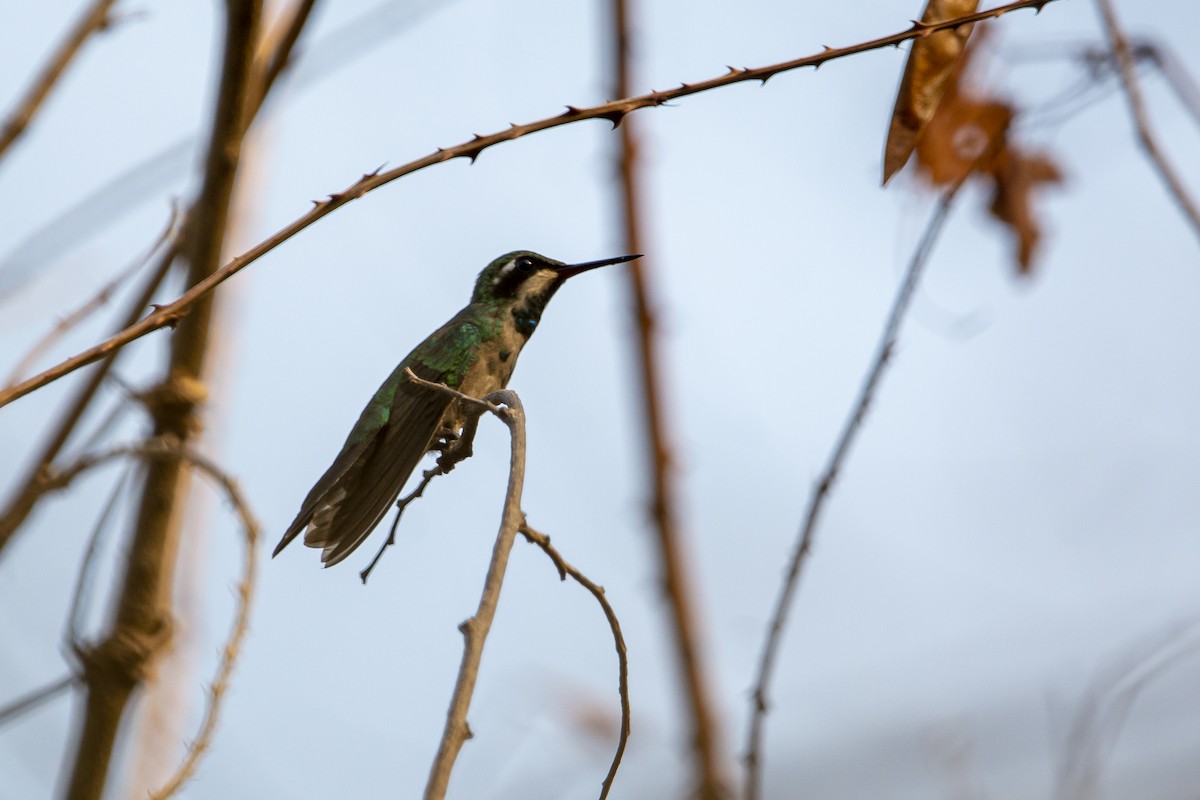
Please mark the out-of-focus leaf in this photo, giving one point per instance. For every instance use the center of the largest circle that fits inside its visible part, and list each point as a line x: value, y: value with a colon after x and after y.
x: 930, y: 65
x: 970, y: 131
x: 1017, y: 174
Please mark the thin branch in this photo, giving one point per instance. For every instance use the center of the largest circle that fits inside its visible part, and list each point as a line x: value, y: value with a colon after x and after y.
x: 613, y: 111
x: 167, y: 238
x: 81, y: 596
x: 1141, y: 121
x: 707, y: 756
x: 35, y: 698
x: 401, y: 504
x: 597, y: 591
x: 452, y: 455
x: 850, y: 429
x: 94, y: 19
x: 475, y: 629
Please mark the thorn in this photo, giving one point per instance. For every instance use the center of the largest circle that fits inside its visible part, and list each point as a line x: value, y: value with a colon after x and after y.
x: 476, y: 138
x: 571, y: 111
x: 473, y: 153
x: 826, y: 48
x: 615, y: 116
x: 732, y: 70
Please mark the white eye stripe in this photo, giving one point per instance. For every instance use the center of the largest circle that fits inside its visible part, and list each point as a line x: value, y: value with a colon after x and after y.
x: 504, y: 271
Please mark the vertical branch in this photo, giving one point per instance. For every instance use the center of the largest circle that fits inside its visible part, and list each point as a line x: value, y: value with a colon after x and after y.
x: 117, y: 665
x: 93, y: 20
x: 1137, y: 109
x: 675, y: 572
x: 851, y: 427
x: 475, y: 629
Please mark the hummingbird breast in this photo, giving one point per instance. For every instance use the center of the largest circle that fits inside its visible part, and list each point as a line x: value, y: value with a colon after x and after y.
x: 491, y: 369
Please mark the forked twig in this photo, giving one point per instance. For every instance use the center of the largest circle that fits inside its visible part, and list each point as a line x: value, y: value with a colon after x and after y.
x: 851, y: 427
x: 613, y: 112
x: 597, y: 591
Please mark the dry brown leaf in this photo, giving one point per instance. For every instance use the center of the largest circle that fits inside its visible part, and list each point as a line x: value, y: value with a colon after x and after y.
x: 967, y: 126
x: 930, y: 65
x: 1017, y: 175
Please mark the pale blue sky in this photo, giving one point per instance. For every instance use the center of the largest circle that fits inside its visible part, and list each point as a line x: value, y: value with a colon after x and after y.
x: 1020, y: 510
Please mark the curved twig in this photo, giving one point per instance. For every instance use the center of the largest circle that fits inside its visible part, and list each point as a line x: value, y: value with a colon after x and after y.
x: 613, y: 112
x: 167, y: 448
x: 851, y: 427
x: 565, y: 569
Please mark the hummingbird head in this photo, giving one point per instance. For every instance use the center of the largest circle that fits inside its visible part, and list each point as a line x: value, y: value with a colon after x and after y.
x: 525, y: 278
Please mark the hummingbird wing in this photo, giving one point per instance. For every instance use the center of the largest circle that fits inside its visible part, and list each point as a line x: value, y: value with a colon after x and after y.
x: 391, y: 436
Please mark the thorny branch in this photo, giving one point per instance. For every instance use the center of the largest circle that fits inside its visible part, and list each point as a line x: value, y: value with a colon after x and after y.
x: 613, y: 111
x: 93, y: 20
x: 565, y: 569
x: 1141, y: 121
x: 851, y: 427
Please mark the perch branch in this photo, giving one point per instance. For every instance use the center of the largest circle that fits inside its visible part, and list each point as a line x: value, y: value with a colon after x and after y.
x: 565, y: 569
x: 475, y: 629
x: 613, y: 112
x: 850, y: 429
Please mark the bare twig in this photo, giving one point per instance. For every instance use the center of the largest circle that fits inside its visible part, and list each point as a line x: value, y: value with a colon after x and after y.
x: 708, y: 758
x: 83, y: 581
x: 167, y: 238
x: 1141, y: 121
x: 94, y: 19
x: 170, y: 448
x: 450, y: 458
x: 35, y: 698
x: 475, y: 629
x: 613, y: 111
x: 851, y: 427
x: 597, y: 591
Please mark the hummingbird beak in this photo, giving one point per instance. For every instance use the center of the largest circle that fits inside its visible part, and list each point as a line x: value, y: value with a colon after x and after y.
x: 567, y: 270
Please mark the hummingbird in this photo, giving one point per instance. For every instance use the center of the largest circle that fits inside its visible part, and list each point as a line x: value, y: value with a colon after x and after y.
x: 475, y: 353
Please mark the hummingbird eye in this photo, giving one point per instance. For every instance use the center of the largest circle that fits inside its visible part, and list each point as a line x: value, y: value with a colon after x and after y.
x: 525, y: 264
